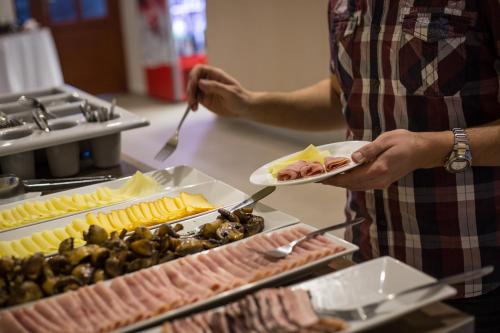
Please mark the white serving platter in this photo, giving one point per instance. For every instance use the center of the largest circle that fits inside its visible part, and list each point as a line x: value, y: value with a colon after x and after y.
x: 262, y: 176
x: 62, y: 101
x: 371, y: 281
x: 170, y: 179
x: 234, y: 294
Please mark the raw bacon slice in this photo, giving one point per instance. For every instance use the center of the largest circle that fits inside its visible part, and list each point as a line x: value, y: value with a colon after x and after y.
x: 312, y: 169
x: 292, y: 171
x: 332, y: 162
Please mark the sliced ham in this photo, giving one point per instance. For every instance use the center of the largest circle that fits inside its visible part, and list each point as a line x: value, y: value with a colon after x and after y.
x: 197, y: 291
x: 27, y: 321
x: 332, y: 162
x: 151, y: 303
x: 159, y: 281
x: 269, y: 310
x: 312, y: 169
x: 63, y: 318
x: 97, y: 319
x: 115, y: 318
x: 138, y: 309
x: 198, y: 277
x: 70, y: 304
x: 11, y: 325
x: 292, y: 171
x: 114, y: 301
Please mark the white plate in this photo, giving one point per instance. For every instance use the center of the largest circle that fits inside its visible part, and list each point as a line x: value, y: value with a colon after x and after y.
x: 262, y: 176
x: 371, y: 281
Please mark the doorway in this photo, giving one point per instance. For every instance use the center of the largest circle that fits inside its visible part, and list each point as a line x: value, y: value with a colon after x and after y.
x: 88, y: 37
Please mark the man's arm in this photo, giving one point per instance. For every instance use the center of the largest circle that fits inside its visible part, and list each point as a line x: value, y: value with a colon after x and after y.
x: 313, y: 108
x: 484, y: 144
x: 396, y: 153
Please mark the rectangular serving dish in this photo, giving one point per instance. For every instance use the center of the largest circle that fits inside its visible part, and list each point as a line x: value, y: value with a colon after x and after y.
x: 372, y: 281
x: 64, y: 102
x: 170, y: 179
x: 368, y: 282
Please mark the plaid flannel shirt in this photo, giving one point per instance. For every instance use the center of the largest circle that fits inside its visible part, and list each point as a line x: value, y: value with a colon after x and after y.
x: 423, y: 65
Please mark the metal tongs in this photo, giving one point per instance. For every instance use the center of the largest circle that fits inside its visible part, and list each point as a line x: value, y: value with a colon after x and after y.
x: 40, y: 113
x: 11, y: 185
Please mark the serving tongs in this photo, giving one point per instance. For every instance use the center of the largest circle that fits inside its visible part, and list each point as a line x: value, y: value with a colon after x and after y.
x: 40, y: 113
x: 11, y: 185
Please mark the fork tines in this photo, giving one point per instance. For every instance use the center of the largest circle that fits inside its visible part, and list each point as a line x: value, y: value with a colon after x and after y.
x: 165, y: 152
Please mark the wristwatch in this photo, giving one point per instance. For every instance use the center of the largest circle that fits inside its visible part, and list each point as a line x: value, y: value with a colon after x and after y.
x: 460, y: 158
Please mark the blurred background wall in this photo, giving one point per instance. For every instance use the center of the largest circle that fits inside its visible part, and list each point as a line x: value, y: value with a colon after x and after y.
x: 269, y: 45
x: 149, y: 46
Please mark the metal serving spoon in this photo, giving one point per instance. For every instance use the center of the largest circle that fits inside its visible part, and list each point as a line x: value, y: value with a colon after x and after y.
x: 11, y: 185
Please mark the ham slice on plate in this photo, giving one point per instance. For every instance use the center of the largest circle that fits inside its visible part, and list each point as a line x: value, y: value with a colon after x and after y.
x: 332, y: 162
x: 292, y: 171
x: 312, y: 169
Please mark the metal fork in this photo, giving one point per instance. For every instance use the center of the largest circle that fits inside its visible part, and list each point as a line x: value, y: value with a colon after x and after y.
x: 171, y: 144
x: 285, y: 250
x: 367, y: 311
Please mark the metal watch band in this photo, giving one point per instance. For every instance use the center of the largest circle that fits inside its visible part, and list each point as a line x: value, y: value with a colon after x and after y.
x: 461, y: 149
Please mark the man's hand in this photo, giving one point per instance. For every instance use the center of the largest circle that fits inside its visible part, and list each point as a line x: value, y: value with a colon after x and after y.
x: 217, y: 91
x: 392, y: 156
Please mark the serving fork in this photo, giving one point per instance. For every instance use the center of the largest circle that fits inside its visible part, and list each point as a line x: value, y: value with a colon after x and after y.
x: 367, y: 311
x: 171, y: 145
x: 285, y: 250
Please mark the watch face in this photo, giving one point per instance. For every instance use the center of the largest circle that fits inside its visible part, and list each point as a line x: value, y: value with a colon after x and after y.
x: 459, y: 165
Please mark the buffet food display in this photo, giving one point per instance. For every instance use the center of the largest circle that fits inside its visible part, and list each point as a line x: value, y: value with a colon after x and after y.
x: 106, y: 255
x: 149, y: 292
x: 163, y: 254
